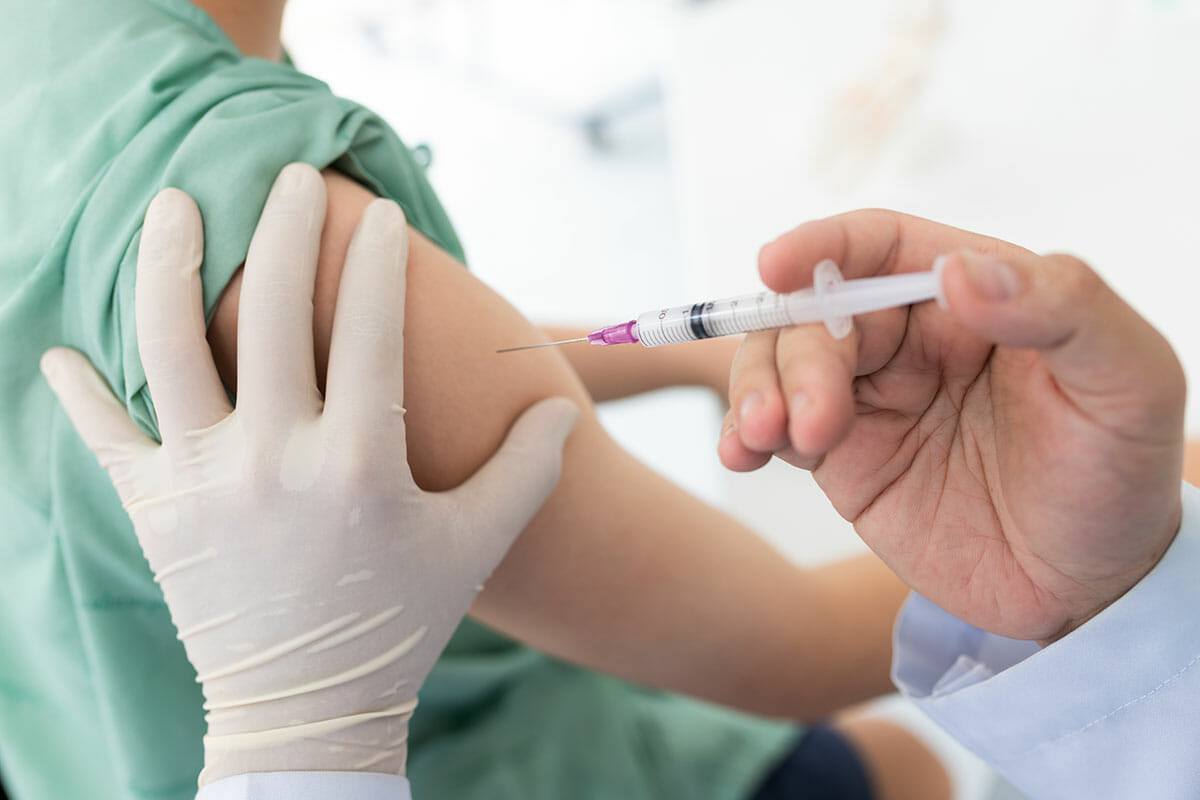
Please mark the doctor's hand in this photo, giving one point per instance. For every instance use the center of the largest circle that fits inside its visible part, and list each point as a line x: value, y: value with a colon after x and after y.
x: 312, y: 583
x: 1014, y: 457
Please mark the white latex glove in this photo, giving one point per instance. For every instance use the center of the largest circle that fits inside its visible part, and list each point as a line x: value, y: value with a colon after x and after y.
x: 312, y: 582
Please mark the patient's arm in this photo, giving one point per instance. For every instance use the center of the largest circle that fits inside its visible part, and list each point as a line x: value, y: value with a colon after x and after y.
x: 610, y: 373
x: 621, y: 570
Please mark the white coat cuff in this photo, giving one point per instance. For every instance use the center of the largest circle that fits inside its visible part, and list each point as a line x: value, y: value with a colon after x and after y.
x: 1085, y: 700
x: 308, y: 786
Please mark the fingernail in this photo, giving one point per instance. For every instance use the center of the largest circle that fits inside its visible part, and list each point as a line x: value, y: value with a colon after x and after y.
x: 798, y: 404
x: 991, y: 278
x: 750, y: 404
x: 730, y: 427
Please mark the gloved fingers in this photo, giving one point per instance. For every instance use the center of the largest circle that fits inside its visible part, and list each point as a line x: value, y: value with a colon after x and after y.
x: 179, y: 366
x: 101, y: 420
x: 498, y: 501
x: 364, y: 388
x: 276, y: 371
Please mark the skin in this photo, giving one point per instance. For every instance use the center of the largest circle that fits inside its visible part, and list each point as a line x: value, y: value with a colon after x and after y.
x: 1191, y: 463
x: 590, y: 580
x: 252, y: 25
x: 898, y: 766
x: 606, y: 583
x: 1016, y: 457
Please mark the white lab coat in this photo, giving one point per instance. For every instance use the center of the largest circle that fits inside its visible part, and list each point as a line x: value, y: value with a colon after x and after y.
x: 1111, y: 710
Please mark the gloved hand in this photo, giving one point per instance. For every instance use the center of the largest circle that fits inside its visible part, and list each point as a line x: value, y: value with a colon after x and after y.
x: 312, y: 582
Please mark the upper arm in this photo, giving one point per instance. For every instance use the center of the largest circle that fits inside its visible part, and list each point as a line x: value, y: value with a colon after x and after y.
x: 618, y: 559
x: 459, y: 396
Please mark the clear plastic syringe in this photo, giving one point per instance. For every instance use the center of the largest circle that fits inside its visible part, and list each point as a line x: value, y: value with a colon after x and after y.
x: 831, y: 300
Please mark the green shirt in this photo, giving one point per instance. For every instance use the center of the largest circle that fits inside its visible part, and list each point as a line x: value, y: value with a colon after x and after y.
x: 102, y: 104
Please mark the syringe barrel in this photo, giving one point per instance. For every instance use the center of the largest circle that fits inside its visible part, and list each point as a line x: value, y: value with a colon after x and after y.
x: 751, y: 312
x: 832, y: 301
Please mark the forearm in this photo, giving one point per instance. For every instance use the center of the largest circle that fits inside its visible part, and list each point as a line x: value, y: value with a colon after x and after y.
x: 860, y: 599
x: 662, y: 589
x: 610, y: 373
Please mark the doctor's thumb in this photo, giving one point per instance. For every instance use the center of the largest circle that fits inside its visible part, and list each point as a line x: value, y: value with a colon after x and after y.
x: 1091, y: 341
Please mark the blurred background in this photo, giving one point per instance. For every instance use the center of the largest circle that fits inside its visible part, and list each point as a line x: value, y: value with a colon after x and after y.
x: 603, y: 158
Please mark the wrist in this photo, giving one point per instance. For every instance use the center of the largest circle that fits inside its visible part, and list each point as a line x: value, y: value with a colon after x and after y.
x: 372, y: 742
x: 1124, y: 583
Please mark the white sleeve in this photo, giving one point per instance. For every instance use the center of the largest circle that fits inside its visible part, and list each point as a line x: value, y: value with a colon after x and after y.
x: 308, y: 786
x: 1110, y: 710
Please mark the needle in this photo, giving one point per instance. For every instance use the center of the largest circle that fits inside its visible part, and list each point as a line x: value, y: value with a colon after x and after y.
x: 545, y: 344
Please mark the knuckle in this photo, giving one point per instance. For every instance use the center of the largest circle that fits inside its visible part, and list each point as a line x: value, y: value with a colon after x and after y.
x: 1076, y: 281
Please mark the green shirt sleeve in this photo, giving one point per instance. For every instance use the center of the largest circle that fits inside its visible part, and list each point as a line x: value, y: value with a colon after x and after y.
x: 222, y: 139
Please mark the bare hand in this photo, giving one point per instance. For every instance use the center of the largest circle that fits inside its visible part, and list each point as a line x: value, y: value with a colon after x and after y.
x: 1016, y: 457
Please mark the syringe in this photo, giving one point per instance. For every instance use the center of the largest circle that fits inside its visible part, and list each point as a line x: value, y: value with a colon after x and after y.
x: 831, y: 300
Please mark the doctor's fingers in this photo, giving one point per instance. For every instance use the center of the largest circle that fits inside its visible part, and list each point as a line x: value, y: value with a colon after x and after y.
x: 866, y: 243
x: 276, y: 372
x: 816, y: 376
x: 737, y: 457
x: 100, y: 419
x: 364, y: 390
x: 757, y: 410
x: 756, y: 426
x: 792, y: 391
x: 179, y: 367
